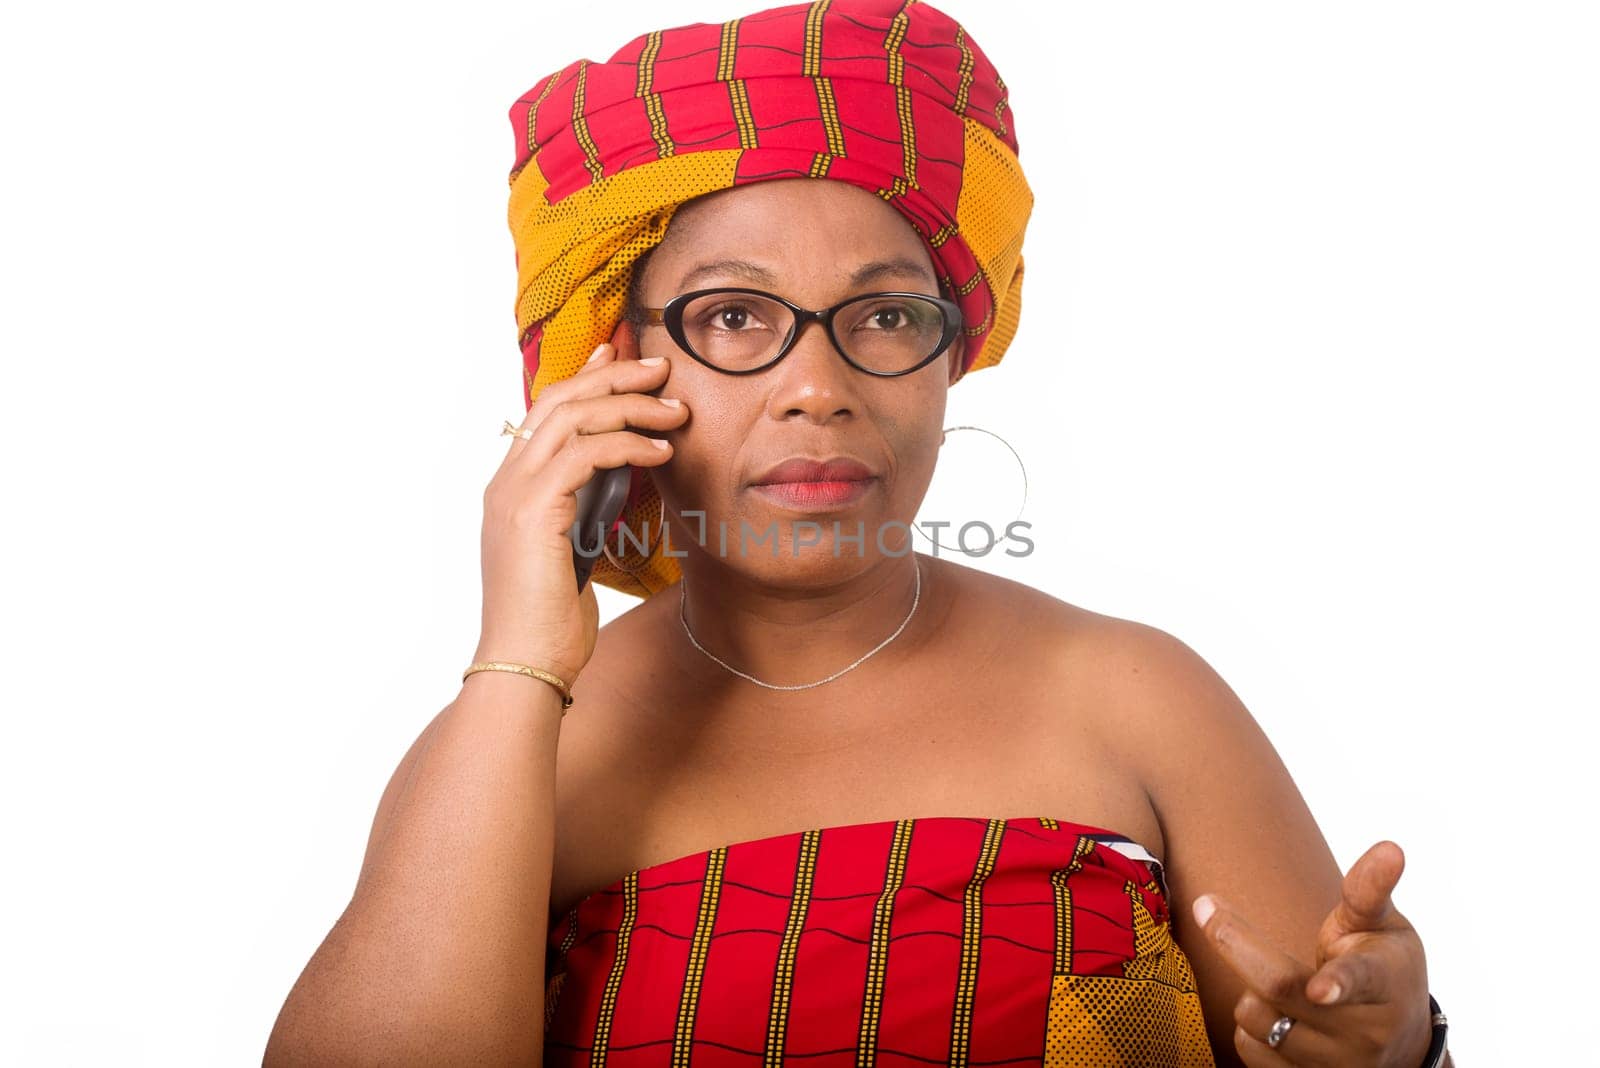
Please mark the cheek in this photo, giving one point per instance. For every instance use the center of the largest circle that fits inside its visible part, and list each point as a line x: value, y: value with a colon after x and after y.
x: 917, y: 427
x: 912, y: 444
x: 916, y: 460
x: 706, y: 449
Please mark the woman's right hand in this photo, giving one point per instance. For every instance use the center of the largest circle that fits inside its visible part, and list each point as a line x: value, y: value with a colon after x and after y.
x: 532, y: 611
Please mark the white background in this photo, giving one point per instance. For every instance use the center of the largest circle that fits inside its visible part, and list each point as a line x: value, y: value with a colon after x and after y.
x: 1304, y: 377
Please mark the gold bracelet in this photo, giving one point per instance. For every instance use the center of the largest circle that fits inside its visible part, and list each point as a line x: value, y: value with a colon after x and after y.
x: 523, y: 669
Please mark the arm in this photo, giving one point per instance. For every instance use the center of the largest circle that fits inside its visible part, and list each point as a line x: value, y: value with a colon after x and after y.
x: 1235, y: 826
x: 1232, y: 819
x: 439, y: 956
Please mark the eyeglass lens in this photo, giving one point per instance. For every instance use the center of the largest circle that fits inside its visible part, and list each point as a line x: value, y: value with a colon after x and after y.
x: 739, y: 331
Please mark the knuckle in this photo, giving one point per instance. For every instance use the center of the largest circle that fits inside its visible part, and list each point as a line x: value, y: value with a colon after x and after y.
x: 1281, y: 987
x: 572, y: 449
x: 559, y: 413
x: 563, y: 405
x: 540, y: 408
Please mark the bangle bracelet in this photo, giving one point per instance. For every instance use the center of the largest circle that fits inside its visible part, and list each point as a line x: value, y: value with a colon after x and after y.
x: 1434, y: 1058
x: 523, y: 669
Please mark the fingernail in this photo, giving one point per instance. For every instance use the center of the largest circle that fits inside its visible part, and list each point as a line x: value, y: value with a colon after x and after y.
x: 595, y: 355
x: 670, y: 402
x: 652, y: 361
x: 659, y: 443
x: 1203, y: 908
x: 1332, y: 995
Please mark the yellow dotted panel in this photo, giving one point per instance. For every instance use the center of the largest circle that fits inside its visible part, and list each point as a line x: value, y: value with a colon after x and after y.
x: 1102, y: 1021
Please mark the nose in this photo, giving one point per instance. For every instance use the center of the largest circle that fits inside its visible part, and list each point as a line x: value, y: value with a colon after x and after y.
x: 813, y: 380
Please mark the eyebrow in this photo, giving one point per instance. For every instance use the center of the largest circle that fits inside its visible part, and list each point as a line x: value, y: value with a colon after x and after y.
x: 754, y: 272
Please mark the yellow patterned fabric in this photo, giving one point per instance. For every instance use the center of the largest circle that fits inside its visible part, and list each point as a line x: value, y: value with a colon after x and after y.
x: 1150, y: 1017
x: 889, y: 95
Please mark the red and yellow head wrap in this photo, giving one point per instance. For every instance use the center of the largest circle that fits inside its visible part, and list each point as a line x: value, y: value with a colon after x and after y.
x: 889, y: 95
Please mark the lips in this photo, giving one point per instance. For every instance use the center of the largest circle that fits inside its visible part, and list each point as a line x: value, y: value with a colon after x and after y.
x: 802, y: 484
x: 804, y: 469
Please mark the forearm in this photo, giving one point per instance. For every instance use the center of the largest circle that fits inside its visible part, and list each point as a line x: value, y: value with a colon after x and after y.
x: 440, y: 953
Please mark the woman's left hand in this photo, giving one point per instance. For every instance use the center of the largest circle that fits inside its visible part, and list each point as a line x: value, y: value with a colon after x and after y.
x: 1364, y: 1004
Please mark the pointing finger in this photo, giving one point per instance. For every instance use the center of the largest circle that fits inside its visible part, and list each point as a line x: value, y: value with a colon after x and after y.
x: 1272, y: 974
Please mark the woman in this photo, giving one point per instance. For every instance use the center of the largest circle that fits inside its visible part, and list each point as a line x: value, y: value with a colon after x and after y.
x: 820, y: 797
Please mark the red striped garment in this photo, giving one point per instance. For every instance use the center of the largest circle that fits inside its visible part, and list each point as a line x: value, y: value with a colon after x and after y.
x: 942, y: 940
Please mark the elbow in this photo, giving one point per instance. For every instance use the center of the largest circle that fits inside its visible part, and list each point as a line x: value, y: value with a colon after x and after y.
x: 313, y: 1030
x: 302, y: 1035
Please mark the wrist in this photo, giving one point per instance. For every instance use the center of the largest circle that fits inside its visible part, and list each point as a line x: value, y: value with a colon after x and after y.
x: 509, y: 653
x: 515, y: 678
x: 1435, y: 1053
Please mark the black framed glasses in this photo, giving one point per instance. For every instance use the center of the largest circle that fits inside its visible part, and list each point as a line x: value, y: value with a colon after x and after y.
x: 741, y: 331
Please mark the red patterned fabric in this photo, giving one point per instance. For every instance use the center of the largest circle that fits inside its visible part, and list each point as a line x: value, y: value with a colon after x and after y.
x: 928, y: 941
x: 879, y: 93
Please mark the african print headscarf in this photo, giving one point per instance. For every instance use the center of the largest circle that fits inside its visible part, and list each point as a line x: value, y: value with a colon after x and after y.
x: 889, y: 95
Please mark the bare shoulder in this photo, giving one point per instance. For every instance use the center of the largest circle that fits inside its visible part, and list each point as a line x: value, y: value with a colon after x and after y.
x: 604, y: 761
x: 1220, y: 789
x: 1147, y: 696
x: 1058, y: 676
x: 1232, y: 819
x: 1095, y: 657
x: 993, y: 616
x: 630, y: 665
x: 618, y: 694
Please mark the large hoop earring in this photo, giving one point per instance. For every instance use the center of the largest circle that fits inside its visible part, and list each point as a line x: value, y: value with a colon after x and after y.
x: 1024, y: 468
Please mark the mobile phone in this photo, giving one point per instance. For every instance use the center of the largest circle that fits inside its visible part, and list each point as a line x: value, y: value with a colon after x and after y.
x: 600, y: 502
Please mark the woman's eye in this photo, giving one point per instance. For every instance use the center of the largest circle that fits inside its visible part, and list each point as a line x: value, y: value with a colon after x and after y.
x: 887, y: 317
x: 728, y: 317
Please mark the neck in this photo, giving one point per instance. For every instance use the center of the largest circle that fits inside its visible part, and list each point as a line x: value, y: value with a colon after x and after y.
x: 813, y: 618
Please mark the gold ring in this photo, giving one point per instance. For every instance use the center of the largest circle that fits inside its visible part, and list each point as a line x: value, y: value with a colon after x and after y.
x: 509, y: 429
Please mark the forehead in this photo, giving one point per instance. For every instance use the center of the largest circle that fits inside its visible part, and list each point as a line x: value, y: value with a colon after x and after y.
x: 787, y: 195
x: 792, y: 226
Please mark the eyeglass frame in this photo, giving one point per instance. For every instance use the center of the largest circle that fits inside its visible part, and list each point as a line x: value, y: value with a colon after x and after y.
x: 670, y: 315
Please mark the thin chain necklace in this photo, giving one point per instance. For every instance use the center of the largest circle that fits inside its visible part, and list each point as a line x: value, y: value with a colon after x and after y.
x: 683, y: 598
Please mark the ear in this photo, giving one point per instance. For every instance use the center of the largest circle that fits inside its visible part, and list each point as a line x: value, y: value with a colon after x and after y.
x: 625, y: 339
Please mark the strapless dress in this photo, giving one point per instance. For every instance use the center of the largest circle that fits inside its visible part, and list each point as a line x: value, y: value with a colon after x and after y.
x: 928, y: 941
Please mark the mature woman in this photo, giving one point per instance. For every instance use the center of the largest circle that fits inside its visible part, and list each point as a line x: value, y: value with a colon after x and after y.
x: 818, y: 796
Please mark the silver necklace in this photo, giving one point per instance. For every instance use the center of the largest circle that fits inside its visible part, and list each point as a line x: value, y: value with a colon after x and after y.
x: 683, y: 598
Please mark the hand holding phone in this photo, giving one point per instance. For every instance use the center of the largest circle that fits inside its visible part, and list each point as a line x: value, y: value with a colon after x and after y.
x: 563, y: 485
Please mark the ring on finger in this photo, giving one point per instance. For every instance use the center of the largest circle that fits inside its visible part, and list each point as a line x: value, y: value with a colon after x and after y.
x: 525, y: 433
x: 1280, y: 1027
